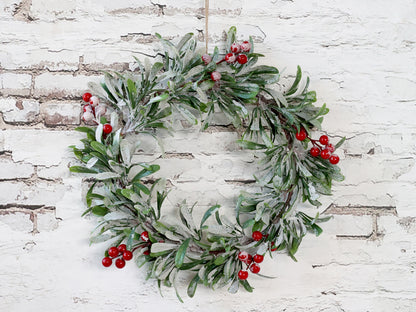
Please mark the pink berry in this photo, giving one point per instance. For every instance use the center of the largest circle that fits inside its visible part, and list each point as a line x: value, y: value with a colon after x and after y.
x: 315, y: 151
x: 334, y: 159
x: 144, y: 236
x: 107, y: 128
x: 324, y: 140
x: 235, y: 48
x: 242, y: 59
x: 87, y: 116
x: 215, y: 76
x: 243, y: 256
x: 120, y: 263
x: 94, y: 101
x: 242, y: 275
x: 245, y: 46
x: 127, y: 255
x: 100, y: 110
x: 255, y: 268
x: 86, y: 97
x: 257, y: 235
x: 206, y: 58
x: 258, y: 258
x: 113, y: 252
x: 107, y: 262
x: 330, y: 148
x: 230, y: 58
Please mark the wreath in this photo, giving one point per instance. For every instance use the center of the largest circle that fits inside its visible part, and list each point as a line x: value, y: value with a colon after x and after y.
x: 274, y: 121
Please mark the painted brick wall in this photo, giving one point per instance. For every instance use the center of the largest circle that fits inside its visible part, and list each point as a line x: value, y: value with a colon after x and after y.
x: 361, y: 57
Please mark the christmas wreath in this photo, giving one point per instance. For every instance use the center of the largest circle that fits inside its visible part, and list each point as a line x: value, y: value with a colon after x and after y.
x: 274, y: 120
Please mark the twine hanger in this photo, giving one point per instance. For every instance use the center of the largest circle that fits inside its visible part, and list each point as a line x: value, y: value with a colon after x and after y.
x: 206, y: 24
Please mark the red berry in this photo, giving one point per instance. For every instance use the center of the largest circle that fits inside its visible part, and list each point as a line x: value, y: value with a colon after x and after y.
x: 324, y: 140
x: 273, y: 249
x: 242, y: 275
x: 146, y: 252
x: 107, y: 262
x: 249, y: 260
x: 315, y: 151
x: 258, y: 258
x: 113, y: 252
x: 107, y: 128
x: 243, y: 256
x: 206, y: 58
x: 257, y: 235
x: 144, y: 236
x: 301, y: 135
x: 235, y: 48
x: 334, y: 159
x: 245, y: 46
x: 127, y: 255
x: 229, y: 58
x: 330, y: 148
x: 120, y: 263
x: 254, y: 268
x: 242, y: 59
x: 122, y: 247
x: 325, y: 154
x: 215, y: 76
x: 86, y: 97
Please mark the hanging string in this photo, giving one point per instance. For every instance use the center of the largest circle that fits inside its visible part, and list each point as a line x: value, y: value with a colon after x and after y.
x: 206, y: 24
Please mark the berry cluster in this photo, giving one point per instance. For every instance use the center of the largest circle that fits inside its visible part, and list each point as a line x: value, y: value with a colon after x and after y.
x: 120, y: 253
x: 251, y: 262
x: 93, y: 111
x: 237, y: 54
x: 325, y: 150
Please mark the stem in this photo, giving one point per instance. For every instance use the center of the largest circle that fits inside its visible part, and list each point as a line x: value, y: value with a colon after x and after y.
x: 285, y: 207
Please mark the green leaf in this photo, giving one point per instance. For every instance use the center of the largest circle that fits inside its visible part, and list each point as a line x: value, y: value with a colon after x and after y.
x: 99, y: 210
x: 146, y: 172
x: 85, y: 130
x: 219, y: 260
x: 192, y: 286
x: 246, y: 285
x: 250, y: 145
x: 340, y: 142
x: 99, y: 147
x: 81, y: 169
x: 208, y: 213
x: 180, y: 254
x: 160, y: 249
x: 295, y: 84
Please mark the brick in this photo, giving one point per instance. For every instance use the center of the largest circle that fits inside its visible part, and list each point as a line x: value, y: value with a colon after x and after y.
x: 15, y: 84
x: 46, y: 220
x: 345, y: 225
x: 39, y: 194
x: 58, y: 85
x: 40, y: 147
x: 61, y: 113
x: 19, y: 111
x: 11, y: 170
x: 18, y: 221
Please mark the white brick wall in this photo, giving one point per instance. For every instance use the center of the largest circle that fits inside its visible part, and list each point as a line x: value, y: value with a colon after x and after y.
x: 360, y: 56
